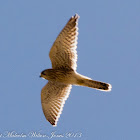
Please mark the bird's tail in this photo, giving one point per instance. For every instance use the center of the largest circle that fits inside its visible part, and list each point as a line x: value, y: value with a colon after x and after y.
x: 94, y: 84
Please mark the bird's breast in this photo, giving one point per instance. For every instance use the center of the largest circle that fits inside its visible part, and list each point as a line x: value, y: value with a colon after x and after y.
x: 61, y: 75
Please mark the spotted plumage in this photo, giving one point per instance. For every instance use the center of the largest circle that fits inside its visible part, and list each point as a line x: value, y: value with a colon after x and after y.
x: 63, y: 74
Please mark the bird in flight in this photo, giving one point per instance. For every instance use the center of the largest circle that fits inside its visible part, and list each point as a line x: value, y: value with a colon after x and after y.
x: 63, y: 73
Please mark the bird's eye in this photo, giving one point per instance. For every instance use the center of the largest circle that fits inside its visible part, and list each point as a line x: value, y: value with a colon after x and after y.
x: 43, y: 72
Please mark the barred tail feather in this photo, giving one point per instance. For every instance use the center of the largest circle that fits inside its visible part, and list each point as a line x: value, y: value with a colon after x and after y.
x: 94, y: 84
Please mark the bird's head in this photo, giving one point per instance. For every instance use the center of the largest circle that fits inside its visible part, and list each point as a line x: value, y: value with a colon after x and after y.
x: 44, y: 74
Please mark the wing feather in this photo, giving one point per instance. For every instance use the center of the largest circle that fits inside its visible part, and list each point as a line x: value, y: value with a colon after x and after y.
x: 53, y: 97
x: 63, y: 52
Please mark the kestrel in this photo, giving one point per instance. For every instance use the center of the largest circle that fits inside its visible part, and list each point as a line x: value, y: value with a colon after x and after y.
x: 63, y: 74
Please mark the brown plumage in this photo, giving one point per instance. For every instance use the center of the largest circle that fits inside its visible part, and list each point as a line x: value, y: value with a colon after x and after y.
x: 63, y: 74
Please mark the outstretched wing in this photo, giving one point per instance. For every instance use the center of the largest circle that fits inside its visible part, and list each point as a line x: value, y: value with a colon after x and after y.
x: 63, y: 52
x: 53, y: 97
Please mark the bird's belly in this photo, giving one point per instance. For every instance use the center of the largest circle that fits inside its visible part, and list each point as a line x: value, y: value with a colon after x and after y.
x: 66, y: 77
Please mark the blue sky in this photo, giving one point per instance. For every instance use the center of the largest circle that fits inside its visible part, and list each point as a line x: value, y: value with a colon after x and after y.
x: 108, y: 50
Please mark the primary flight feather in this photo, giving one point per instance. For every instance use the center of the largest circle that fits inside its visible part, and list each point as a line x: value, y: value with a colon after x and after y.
x: 63, y: 74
